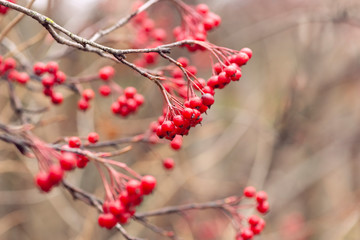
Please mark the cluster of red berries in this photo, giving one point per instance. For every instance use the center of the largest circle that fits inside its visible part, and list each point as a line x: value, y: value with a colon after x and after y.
x: 232, y: 72
x: 256, y: 224
x: 128, y: 102
x: 86, y: 96
x: 52, y: 174
x: 147, y: 35
x: 51, y: 76
x: 122, y: 207
x: 3, y: 9
x: 197, y: 22
x: 8, y: 70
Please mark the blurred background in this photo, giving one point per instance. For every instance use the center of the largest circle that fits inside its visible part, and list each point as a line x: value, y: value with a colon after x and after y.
x: 289, y: 127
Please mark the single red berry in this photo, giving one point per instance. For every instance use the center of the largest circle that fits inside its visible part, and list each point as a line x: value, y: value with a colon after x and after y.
x: 81, y: 161
x: 42, y: 181
x: 22, y: 77
x: 254, y: 220
x: 83, y: 104
x: 246, y: 234
x: 132, y: 105
x: 178, y: 120
x: 104, y: 90
x: 249, y: 191
x: 241, y: 58
x: 148, y: 184
x: 56, y: 174
x: 93, y: 137
x: 202, y: 8
x: 88, y: 94
x: 74, y: 142
x: 168, y: 163
x: 230, y: 70
x: 48, y: 92
x: 261, y: 196
x: 123, y: 218
x: 67, y: 161
x: 207, y: 99
x: 9, y: 64
x: 57, y: 98
x: 106, y: 73
x: 39, y: 68
x: 167, y: 126
x: 48, y: 81
x: 257, y: 229
x: 176, y: 142
x: 159, y: 34
x: 116, y: 208
x: 195, y: 102
x: 248, y: 52
x: 139, y: 99
x: 192, y: 70
x: 107, y: 220
x: 52, y: 67
x: 133, y: 187
x: 188, y: 113
x: 60, y: 77
x: 183, y: 61
x: 263, y: 207
x: 130, y: 92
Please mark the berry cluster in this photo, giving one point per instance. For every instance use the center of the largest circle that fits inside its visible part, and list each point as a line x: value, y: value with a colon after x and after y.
x: 52, y: 173
x: 147, y: 35
x: 3, y: 9
x: 128, y: 102
x: 84, y: 102
x: 51, y: 76
x: 255, y: 223
x: 121, y: 207
x: 195, y: 25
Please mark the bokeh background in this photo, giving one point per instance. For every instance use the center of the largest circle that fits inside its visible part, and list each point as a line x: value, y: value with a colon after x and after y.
x: 289, y: 127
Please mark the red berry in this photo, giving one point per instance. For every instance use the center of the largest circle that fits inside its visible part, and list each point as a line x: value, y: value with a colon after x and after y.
x: 106, y: 73
x: 246, y: 234
x: 261, y: 196
x: 67, y: 161
x: 81, y: 161
x: 178, y: 120
x: 42, y: 181
x: 57, y: 98
x: 9, y: 64
x: 52, y: 67
x: 130, y: 92
x: 74, y: 142
x: 56, y: 174
x: 83, y: 104
x: 254, y: 220
x: 133, y: 187
x: 60, y: 77
x: 39, y: 68
x: 167, y: 126
x: 207, y: 99
x: 188, y: 113
x: 195, y: 102
x: 22, y: 77
x: 107, y: 220
x: 230, y: 70
x: 116, y: 208
x: 168, y: 163
x: 202, y: 8
x: 249, y: 191
x: 183, y: 61
x: 139, y: 99
x: 241, y: 58
x: 263, y: 207
x: 248, y: 52
x: 105, y: 90
x: 176, y: 142
x: 159, y: 34
x: 148, y: 184
x: 88, y: 94
x: 93, y: 137
x: 48, y: 81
